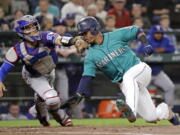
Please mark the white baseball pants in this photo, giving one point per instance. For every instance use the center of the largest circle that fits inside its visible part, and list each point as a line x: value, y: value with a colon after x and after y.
x: 43, y: 86
x: 134, y: 84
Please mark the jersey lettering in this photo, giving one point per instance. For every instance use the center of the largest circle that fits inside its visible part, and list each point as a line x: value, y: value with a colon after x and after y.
x: 110, y: 57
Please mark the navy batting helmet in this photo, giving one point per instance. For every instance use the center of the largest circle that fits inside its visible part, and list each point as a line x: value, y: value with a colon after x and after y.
x: 88, y: 24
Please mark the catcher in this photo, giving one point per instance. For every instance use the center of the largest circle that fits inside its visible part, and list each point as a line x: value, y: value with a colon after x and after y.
x: 38, y: 56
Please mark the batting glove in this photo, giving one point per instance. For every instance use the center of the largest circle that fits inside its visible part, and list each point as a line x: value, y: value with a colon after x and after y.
x: 72, y: 101
x: 148, y: 50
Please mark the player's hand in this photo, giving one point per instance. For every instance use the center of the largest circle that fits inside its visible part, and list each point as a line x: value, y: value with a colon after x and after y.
x: 80, y: 44
x: 148, y: 50
x: 72, y: 101
x: 2, y: 88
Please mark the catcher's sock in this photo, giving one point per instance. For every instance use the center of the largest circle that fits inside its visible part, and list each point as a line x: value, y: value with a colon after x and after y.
x: 126, y: 110
x: 175, y: 120
x: 67, y: 123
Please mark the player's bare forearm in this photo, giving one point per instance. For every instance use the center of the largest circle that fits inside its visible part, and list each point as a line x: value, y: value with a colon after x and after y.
x: 77, y: 41
x: 67, y: 52
x: 73, y: 50
x: 2, y: 88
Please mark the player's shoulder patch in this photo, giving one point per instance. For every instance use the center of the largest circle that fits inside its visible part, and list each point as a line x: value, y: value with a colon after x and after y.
x: 11, y: 55
x: 50, y: 35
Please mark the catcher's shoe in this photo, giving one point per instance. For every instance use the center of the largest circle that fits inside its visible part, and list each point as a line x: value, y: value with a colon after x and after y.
x: 44, y: 121
x: 67, y: 123
x: 126, y: 110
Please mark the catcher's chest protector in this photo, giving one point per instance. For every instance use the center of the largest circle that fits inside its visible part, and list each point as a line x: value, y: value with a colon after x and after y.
x: 41, y: 61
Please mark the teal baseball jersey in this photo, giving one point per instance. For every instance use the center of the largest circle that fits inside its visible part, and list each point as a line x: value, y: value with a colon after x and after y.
x: 113, y: 57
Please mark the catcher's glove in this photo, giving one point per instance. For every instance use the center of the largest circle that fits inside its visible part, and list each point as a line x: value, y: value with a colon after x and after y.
x: 80, y: 44
x: 72, y: 101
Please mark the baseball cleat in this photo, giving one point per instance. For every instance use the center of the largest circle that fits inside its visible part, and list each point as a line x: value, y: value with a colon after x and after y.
x: 175, y: 120
x: 126, y: 110
x: 44, y: 122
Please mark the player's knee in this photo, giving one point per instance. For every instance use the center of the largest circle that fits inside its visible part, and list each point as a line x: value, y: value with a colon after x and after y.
x: 162, y: 111
x: 51, y: 98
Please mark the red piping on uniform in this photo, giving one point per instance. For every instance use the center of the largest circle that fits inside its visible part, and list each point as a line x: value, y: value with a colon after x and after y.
x: 52, y: 97
x: 47, y: 91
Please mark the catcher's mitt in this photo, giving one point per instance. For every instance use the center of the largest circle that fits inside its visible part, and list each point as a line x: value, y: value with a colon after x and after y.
x: 80, y: 44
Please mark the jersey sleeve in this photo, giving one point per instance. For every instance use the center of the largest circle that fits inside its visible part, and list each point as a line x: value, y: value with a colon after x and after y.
x: 11, y: 56
x: 50, y: 37
x: 89, y: 68
x: 84, y: 85
x: 126, y: 34
x: 4, y: 69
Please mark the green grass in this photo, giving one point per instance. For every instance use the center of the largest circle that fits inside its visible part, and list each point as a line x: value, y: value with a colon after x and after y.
x: 83, y: 122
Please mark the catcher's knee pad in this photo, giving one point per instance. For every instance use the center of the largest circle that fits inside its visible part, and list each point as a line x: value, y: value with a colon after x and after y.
x: 51, y: 97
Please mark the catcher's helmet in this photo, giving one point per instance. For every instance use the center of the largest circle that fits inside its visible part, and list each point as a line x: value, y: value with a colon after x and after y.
x: 21, y: 26
x: 88, y: 24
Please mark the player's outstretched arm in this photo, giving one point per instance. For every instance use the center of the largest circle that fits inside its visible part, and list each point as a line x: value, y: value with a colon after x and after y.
x: 77, y: 41
x: 83, y: 89
x: 67, y: 52
x: 10, y: 58
x: 4, y: 69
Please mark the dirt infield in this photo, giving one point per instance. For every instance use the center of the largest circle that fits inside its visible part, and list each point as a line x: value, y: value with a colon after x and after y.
x: 92, y: 130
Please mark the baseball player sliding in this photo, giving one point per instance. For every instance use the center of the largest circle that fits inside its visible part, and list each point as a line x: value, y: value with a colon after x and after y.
x: 38, y: 56
x: 109, y: 53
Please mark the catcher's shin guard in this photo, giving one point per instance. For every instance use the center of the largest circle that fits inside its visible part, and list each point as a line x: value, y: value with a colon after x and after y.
x: 42, y: 112
x: 61, y: 117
